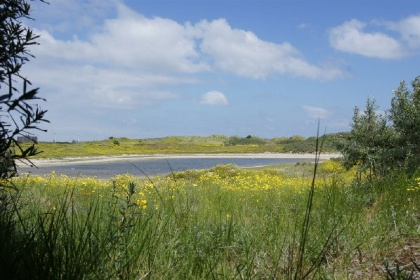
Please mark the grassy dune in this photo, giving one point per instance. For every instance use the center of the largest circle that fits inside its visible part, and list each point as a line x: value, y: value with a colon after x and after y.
x: 173, y: 145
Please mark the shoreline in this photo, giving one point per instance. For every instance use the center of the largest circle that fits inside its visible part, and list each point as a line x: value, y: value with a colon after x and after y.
x: 115, y: 158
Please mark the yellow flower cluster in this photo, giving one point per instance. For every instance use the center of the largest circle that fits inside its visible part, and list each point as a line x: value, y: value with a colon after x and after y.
x: 249, y: 182
x: 151, y: 193
x: 416, y: 187
x: 331, y: 166
x: 142, y: 203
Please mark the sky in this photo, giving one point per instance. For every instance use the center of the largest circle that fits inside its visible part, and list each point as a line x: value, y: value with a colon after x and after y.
x: 267, y: 68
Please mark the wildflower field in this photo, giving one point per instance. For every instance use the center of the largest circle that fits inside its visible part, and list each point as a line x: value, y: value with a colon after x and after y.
x: 221, y: 223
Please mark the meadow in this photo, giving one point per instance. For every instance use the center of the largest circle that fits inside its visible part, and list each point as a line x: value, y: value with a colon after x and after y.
x: 221, y: 223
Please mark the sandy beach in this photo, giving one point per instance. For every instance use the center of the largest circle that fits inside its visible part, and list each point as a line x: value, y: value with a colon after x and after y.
x: 114, y: 158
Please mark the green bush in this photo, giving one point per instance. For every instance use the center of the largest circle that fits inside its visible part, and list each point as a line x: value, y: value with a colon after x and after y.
x: 249, y: 140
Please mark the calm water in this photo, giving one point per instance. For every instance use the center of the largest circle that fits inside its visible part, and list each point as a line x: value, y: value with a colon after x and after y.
x: 139, y: 167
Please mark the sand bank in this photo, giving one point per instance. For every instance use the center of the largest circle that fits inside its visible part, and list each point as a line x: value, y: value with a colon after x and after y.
x: 113, y: 158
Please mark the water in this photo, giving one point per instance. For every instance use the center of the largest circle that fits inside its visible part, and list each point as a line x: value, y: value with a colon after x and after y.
x: 152, y: 166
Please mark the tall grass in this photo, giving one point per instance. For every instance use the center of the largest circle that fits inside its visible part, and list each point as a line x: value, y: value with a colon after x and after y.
x: 222, y: 223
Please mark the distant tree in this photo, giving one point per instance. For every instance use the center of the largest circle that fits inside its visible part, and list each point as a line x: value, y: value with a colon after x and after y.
x: 297, y: 138
x: 405, y: 116
x: 248, y: 140
x: 20, y: 115
x: 232, y: 141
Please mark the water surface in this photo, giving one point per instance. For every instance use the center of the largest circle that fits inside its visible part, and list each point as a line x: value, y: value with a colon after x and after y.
x: 152, y: 166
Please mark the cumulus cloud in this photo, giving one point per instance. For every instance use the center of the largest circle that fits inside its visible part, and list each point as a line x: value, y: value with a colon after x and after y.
x: 214, y: 98
x: 316, y: 112
x: 244, y: 54
x: 352, y: 38
x: 131, y: 40
x: 161, y: 44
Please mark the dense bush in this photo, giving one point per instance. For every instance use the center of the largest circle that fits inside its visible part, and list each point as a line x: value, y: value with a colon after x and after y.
x: 249, y: 140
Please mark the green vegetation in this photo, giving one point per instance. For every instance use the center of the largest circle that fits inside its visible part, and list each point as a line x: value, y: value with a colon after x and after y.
x: 222, y: 223
x: 20, y: 115
x: 379, y: 146
x: 183, y: 144
x: 405, y: 117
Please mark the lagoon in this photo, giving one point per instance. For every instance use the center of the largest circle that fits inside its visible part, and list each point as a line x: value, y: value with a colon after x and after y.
x: 151, y: 166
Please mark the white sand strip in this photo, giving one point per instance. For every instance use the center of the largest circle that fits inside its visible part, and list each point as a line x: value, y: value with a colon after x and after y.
x: 95, y: 159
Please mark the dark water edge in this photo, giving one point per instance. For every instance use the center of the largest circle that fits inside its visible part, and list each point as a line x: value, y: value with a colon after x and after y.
x: 151, y: 167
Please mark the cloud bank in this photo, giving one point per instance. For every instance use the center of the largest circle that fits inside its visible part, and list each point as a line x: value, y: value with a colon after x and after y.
x: 130, y: 60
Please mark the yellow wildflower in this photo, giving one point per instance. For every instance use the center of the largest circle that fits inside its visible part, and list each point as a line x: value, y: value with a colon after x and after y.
x: 142, y: 203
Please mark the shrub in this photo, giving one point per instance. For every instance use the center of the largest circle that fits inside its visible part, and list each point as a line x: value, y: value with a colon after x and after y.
x: 249, y: 140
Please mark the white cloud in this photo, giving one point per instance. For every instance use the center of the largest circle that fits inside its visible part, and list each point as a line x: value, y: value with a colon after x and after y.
x: 409, y: 29
x: 350, y: 37
x: 157, y: 43
x: 244, y: 54
x: 103, y: 87
x: 214, y: 98
x: 163, y: 45
x: 131, y: 40
x: 316, y: 112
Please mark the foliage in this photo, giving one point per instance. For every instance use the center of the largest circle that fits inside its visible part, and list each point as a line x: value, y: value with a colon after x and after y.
x: 376, y: 146
x: 18, y: 112
x: 405, y: 116
x: 369, y: 142
x: 249, y: 140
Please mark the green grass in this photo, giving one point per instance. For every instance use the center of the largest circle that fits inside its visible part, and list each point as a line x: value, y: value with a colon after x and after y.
x: 223, y: 223
x: 174, y: 145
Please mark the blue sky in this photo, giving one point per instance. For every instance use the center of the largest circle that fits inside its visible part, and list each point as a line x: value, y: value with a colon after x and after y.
x: 151, y: 68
